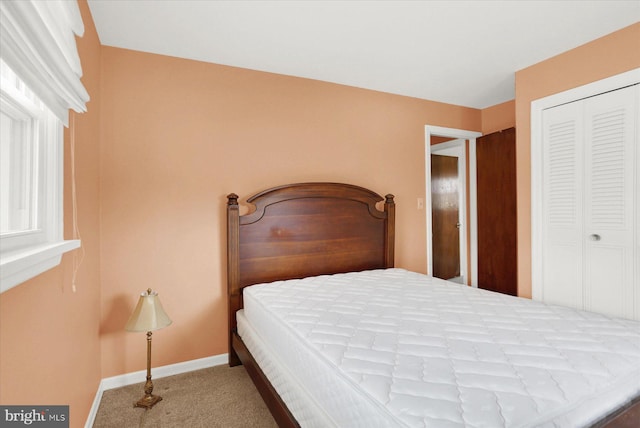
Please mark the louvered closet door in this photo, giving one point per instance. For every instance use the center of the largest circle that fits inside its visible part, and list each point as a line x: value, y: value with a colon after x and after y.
x: 589, y: 204
x: 563, y: 199
x: 609, y: 202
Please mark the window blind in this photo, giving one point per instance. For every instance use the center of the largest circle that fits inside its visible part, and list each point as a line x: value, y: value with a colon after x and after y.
x: 37, y: 41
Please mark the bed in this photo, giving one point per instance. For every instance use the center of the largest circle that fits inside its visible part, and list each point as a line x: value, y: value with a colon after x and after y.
x: 333, y: 335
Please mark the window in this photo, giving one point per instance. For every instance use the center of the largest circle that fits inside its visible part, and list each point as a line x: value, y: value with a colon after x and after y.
x: 30, y: 183
x: 22, y: 130
x: 39, y: 82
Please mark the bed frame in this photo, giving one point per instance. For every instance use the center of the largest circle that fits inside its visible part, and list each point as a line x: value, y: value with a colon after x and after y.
x: 308, y: 229
x: 295, y: 231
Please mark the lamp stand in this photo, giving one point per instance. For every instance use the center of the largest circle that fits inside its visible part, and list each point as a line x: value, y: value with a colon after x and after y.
x: 149, y: 400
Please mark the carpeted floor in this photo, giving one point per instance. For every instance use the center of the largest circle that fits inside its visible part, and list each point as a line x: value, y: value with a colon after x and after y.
x: 220, y: 396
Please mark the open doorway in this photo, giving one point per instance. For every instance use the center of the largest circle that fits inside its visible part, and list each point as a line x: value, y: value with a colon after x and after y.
x: 448, y: 210
x: 451, y: 216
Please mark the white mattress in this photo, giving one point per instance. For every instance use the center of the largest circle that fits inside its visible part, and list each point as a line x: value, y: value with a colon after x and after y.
x: 392, y: 348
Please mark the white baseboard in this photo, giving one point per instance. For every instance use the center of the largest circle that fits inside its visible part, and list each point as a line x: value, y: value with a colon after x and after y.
x: 156, y: 372
x: 163, y: 371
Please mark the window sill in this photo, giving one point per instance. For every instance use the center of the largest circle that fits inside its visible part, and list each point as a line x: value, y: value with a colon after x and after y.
x: 19, y: 266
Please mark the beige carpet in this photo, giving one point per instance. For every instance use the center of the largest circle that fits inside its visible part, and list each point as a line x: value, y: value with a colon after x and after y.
x: 220, y: 396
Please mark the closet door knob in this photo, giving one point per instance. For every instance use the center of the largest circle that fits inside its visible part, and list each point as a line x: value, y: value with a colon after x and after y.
x: 594, y: 237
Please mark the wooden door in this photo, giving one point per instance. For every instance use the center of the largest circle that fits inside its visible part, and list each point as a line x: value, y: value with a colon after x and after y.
x: 445, y: 216
x: 497, y: 231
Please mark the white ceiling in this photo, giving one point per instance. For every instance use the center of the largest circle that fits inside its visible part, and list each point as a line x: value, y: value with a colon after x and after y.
x: 458, y: 52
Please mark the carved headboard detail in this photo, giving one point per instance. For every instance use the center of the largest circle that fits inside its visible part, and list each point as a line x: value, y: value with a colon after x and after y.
x: 306, y: 229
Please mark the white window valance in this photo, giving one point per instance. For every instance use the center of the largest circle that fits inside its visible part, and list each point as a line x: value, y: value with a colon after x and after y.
x: 37, y: 41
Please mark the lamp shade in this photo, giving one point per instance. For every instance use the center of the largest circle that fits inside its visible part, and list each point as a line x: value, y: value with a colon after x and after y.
x: 148, y: 314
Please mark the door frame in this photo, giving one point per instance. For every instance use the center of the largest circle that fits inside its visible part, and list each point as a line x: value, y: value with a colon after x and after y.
x: 472, y: 277
x: 537, y: 176
x: 456, y: 149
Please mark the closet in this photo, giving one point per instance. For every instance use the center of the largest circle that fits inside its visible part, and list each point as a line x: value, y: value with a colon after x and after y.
x: 590, y: 204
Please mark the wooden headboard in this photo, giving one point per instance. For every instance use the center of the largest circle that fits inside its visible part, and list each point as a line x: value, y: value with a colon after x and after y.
x: 306, y: 229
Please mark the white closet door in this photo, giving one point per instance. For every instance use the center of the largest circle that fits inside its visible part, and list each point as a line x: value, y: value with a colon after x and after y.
x: 591, y: 205
x: 562, y: 202
x: 610, y: 155
x: 636, y: 281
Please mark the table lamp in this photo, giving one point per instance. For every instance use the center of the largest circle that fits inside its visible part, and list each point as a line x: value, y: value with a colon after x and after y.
x: 148, y: 316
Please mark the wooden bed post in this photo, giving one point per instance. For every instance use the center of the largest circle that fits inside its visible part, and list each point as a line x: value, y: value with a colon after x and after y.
x: 233, y: 271
x: 389, y: 230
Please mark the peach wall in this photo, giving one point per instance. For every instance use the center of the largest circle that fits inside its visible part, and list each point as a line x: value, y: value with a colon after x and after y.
x: 610, y: 55
x: 179, y: 135
x: 498, y: 117
x: 49, y: 343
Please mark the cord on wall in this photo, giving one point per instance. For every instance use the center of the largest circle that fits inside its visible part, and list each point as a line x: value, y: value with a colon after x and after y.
x: 78, y: 256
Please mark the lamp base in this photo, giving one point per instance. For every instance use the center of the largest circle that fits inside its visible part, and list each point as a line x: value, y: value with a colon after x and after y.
x: 148, y: 401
